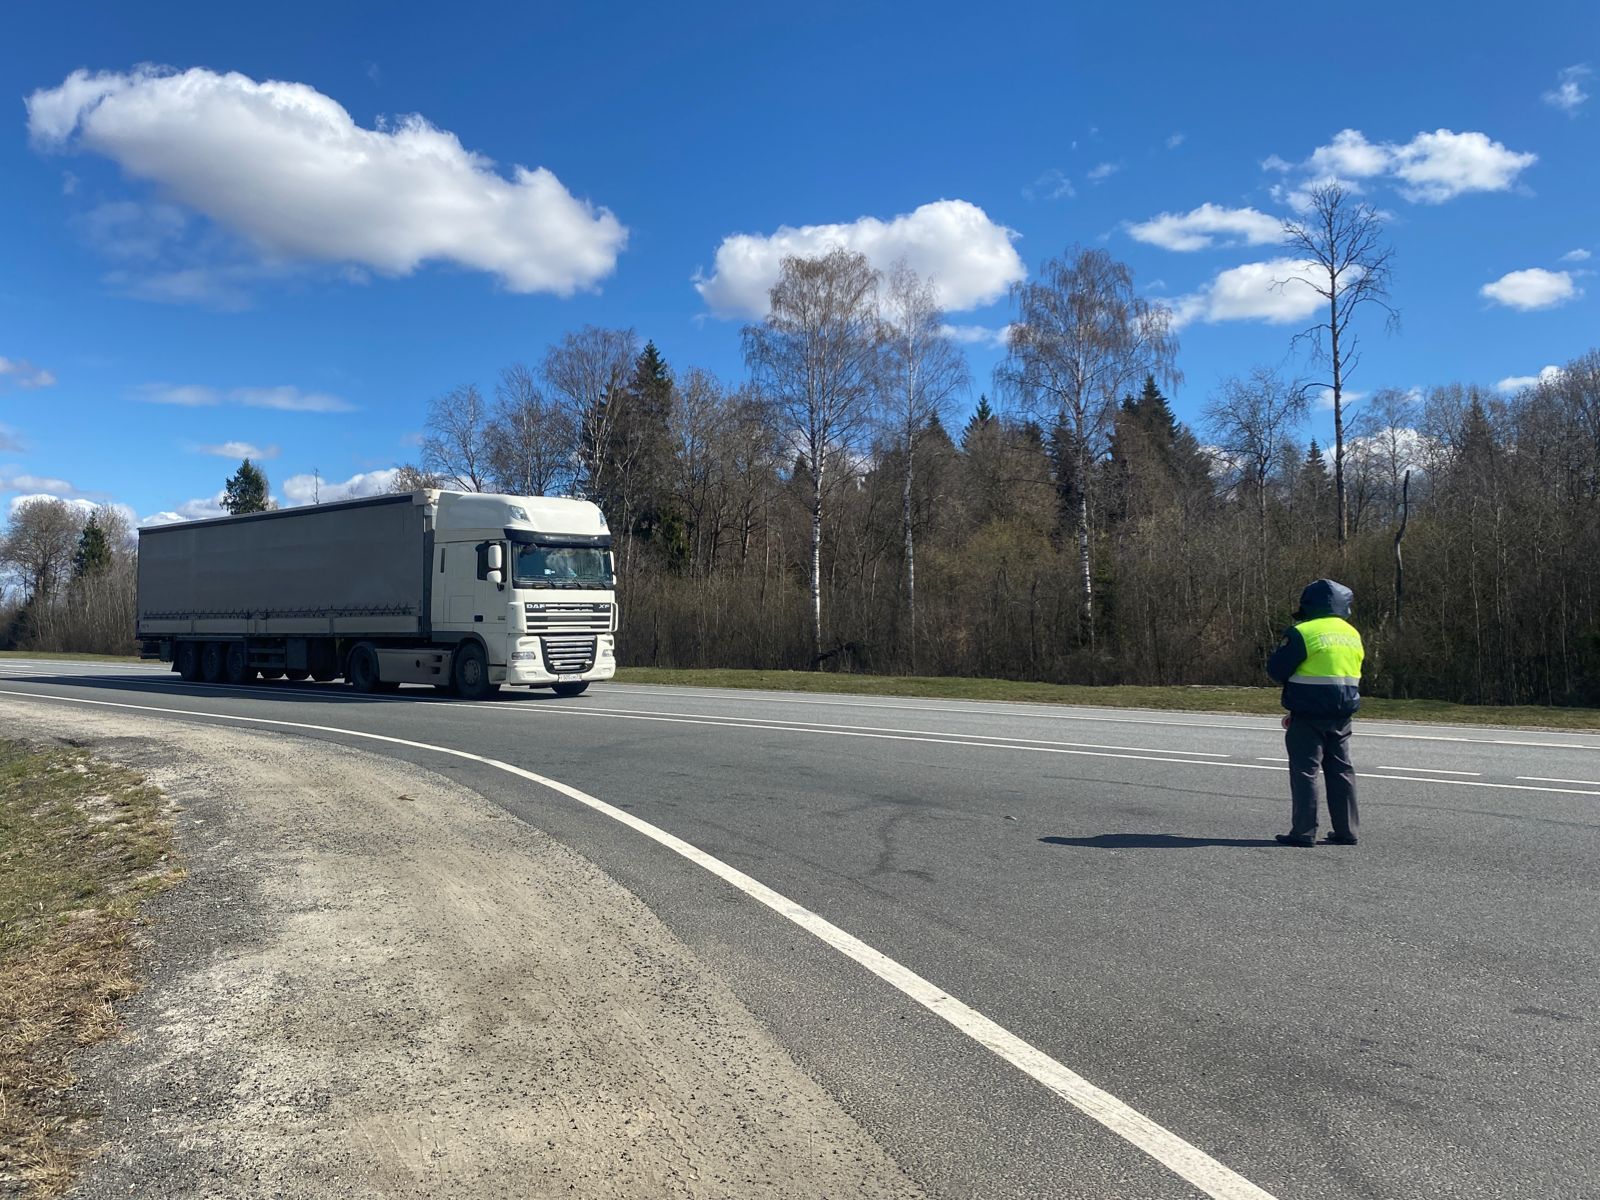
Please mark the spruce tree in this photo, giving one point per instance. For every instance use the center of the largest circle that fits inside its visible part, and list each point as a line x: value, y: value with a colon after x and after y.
x: 94, y: 550
x: 247, y: 490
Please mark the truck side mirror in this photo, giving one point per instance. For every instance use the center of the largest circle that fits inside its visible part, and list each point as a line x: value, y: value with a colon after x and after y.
x: 492, y: 563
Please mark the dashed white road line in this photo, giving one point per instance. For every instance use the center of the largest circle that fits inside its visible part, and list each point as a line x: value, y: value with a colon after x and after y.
x: 1434, y: 771
x: 1187, y: 1161
x: 1542, y: 779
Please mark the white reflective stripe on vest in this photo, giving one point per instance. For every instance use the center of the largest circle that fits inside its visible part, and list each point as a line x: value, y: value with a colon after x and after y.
x: 1328, y: 680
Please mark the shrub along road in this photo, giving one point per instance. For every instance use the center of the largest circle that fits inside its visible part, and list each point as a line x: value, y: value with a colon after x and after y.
x: 1412, y: 1016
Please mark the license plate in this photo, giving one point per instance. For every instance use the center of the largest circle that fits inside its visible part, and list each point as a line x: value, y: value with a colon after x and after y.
x: 569, y: 678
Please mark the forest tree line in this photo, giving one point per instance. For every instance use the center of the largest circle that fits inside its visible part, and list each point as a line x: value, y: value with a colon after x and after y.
x: 845, y: 507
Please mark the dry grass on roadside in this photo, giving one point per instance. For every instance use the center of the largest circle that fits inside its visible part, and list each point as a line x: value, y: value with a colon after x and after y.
x: 82, y: 843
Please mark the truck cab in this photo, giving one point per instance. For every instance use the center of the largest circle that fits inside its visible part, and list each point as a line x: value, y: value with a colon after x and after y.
x: 531, y: 581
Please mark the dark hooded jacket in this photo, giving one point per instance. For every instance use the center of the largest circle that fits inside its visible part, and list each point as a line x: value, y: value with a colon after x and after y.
x: 1324, y: 598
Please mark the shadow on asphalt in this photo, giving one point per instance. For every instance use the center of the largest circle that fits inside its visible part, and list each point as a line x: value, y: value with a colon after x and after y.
x: 1152, y: 841
x: 269, y: 690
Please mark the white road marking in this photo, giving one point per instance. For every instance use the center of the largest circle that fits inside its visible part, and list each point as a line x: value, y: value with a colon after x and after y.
x: 934, y: 739
x: 822, y: 726
x: 1542, y: 779
x: 1245, y: 722
x: 1182, y: 1158
x: 1514, y: 787
x: 1435, y: 771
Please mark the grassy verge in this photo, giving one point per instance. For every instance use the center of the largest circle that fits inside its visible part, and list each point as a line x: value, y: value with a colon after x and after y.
x: 1263, y: 701
x: 68, y: 656
x: 82, y: 843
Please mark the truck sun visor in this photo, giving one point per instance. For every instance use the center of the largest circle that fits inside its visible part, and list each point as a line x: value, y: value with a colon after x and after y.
x: 560, y: 541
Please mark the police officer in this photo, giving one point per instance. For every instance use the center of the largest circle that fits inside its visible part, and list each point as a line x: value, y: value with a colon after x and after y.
x: 1319, y: 666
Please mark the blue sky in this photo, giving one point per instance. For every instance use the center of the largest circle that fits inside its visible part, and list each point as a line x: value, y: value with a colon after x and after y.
x: 254, y: 244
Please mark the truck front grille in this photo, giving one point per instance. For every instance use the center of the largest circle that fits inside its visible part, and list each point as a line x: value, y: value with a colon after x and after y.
x: 556, y: 617
x: 568, y: 655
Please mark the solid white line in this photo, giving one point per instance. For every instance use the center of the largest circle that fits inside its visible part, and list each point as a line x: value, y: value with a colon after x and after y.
x: 934, y: 734
x: 1513, y: 787
x: 728, y: 723
x: 1245, y: 723
x: 1171, y: 1151
x: 1543, y: 779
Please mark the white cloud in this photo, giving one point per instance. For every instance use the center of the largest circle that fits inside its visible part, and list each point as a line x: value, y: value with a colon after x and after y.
x: 1052, y: 185
x: 1576, y: 256
x: 286, y: 168
x: 1568, y: 94
x: 1207, y: 226
x: 10, y: 440
x: 1103, y: 171
x: 202, y: 509
x: 1176, y: 140
x: 1273, y: 162
x: 19, y: 372
x: 977, y: 335
x: 240, y: 450
x: 12, y: 480
x: 83, y: 506
x: 1516, y: 383
x: 1253, y: 292
x: 969, y: 258
x: 1532, y: 289
x: 308, y: 489
x: 1429, y: 169
x: 283, y: 399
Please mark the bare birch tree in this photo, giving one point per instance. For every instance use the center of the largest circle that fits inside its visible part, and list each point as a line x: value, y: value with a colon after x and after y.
x: 816, y: 355
x: 1345, y: 263
x: 1250, y: 421
x: 923, y: 373
x: 531, y: 440
x: 1081, y: 339
x: 456, y: 445
x: 587, y: 373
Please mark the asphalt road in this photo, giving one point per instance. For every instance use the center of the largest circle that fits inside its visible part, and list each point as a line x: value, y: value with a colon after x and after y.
x: 1414, y: 1016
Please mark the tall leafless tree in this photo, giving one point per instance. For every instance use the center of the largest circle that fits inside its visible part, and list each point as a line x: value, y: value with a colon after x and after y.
x: 1081, y: 339
x: 531, y: 440
x: 1345, y: 262
x: 817, y: 356
x: 587, y: 373
x: 1250, y: 421
x: 456, y: 445
x: 924, y: 372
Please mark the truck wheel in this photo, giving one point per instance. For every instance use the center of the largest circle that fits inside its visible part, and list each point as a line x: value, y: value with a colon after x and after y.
x: 272, y: 673
x: 298, y: 675
x: 471, y: 674
x: 324, y: 674
x: 362, y: 674
x: 236, y: 664
x: 213, y: 661
x: 187, y: 660
x: 572, y: 689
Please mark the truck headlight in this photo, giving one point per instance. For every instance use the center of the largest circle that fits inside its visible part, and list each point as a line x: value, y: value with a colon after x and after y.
x: 524, y: 655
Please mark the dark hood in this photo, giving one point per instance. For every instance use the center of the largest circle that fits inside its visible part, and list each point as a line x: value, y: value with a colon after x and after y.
x: 1325, y: 598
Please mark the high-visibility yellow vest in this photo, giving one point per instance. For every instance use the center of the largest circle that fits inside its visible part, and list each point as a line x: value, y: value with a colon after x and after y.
x: 1334, y: 653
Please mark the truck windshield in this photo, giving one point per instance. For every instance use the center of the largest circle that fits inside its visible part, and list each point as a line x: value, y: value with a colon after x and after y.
x: 563, y: 567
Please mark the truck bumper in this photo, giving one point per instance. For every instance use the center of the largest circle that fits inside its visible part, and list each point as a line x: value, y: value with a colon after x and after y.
x: 528, y: 668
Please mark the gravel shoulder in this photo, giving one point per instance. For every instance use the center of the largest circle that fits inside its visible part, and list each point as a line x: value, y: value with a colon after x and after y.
x: 376, y: 983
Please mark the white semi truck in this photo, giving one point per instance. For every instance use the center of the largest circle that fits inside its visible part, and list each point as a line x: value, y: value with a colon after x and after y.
x: 465, y: 591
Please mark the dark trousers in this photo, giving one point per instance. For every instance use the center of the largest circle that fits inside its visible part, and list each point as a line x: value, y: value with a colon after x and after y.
x: 1321, y: 746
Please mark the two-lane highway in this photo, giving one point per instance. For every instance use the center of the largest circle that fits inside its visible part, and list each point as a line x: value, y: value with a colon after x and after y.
x: 1054, y: 952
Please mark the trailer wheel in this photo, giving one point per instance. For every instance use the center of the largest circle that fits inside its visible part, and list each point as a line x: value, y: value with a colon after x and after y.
x: 362, y: 673
x: 187, y: 660
x: 213, y: 662
x: 298, y: 675
x: 272, y: 673
x: 472, y: 673
x: 236, y: 664
x: 572, y: 689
